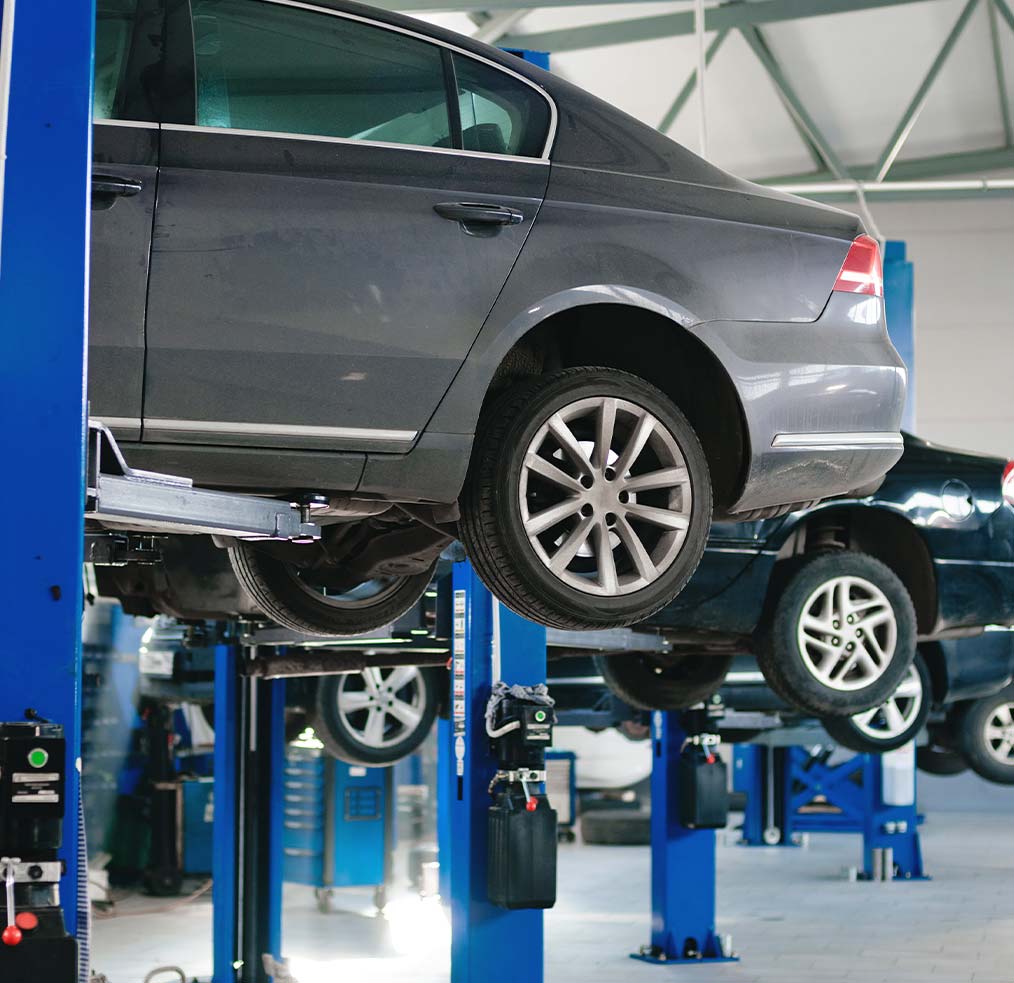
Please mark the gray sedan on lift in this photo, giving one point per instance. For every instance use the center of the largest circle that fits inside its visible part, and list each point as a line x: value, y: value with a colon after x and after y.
x: 344, y: 257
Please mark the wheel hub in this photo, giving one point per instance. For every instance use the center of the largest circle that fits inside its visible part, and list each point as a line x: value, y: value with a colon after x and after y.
x: 382, y: 707
x: 605, y: 496
x: 999, y: 733
x: 847, y: 633
x: 895, y: 716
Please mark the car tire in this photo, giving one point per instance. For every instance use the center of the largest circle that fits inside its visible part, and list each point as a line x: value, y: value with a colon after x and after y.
x: 939, y: 761
x: 892, y: 724
x: 403, y: 707
x: 621, y: 565
x: 649, y: 681
x: 616, y: 827
x: 984, y: 730
x: 836, y: 584
x: 285, y: 599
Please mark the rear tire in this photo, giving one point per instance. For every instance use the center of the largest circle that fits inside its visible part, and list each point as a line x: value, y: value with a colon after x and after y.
x: 620, y: 544
x: 984, y: 730
x: 814, y: 657
x: 663, y: 682
x: 616, y: 827
x: 939, y: 761
x: 278, y: 592
x: 894, y: 723
x: 400, y: 702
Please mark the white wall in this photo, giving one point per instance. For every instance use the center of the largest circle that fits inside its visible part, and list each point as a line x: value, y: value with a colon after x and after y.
x: 963, y: 253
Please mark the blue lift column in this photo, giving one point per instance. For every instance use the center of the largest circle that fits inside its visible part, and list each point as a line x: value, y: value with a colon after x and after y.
x: 248, y: 820
x: 488, y: 944
x: 682, y: 864
x: 46, y: 53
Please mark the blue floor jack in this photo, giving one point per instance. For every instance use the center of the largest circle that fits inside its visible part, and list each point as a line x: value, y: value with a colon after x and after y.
x: 792, y: 790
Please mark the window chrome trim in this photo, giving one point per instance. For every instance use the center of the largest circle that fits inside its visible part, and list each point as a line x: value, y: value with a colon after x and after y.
x: 553, y: 113
x: 348, y: 141
x: 278, y: 430
x: 887, y: 440
x: 139, y: 124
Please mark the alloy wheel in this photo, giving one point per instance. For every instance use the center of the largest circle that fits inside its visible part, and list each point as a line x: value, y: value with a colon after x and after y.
x: 998, y: 731
x: 894, y: 717
x: 368, y: 593
x: 382, y: 707
x: 605, y: 496
x: 847, y: 633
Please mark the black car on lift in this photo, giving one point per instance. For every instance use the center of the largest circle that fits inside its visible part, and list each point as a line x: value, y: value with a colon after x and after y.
x: 824, y: 596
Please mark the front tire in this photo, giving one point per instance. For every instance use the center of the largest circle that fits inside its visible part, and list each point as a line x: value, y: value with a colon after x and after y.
x: 984, y: 730
x: 894, y: 723
x: 294, y: 602
x: 663, y: 682
x: 840, y: 636
x: 588, y: 499
x: 378, y: 716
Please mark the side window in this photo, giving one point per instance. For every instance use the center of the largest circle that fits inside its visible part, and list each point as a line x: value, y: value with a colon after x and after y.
x: 114, y: 28
x: 262, y: 66
x: 499, y: 113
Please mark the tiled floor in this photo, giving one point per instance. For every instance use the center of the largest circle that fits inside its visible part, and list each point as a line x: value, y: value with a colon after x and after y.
x: 792, y: 916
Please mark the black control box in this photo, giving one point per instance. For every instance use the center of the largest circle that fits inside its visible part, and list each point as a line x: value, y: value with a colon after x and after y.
x: 522, y: 851
x: 703, y: 789
x: 32, y: 780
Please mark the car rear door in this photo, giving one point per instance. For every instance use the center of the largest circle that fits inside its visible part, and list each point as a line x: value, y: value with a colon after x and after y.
x: 124, y: 178
x: 321, y: 261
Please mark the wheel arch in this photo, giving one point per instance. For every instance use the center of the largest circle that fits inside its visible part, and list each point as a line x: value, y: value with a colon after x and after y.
x: 578, y: 327
x: 880, y: 532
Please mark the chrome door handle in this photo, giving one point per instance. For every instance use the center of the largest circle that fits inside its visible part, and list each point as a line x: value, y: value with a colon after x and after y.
x: 110, y: 184
x: 473, y: 212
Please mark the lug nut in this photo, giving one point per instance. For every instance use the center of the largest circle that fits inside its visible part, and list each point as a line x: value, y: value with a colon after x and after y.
x: 587, y: 480
x: 587, y: 510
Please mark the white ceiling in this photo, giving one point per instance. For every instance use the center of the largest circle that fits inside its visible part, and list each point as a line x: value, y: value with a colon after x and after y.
x: 855, y: 72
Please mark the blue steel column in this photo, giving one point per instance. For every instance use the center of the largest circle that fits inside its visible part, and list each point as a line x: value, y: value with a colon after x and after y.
x: 488, y: 944
x: 893, y: 827
x: 43, y: 316
x: 682, y: 863
x: 748, y: 773
x: 899, y: 305
x: 226, y: 823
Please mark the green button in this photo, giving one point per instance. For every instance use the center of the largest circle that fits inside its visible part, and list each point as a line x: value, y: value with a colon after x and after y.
x: 38, y: 757
x: 540, y: 715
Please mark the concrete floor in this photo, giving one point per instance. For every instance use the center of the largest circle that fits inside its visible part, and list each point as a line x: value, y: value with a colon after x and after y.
x: 792, y: 917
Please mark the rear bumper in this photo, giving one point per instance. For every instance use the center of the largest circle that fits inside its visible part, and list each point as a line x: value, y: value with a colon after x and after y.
x: 822, y: 401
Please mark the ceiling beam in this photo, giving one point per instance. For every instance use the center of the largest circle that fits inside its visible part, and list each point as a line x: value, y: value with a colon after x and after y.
x: 729, y: 16
x: 690, y: 85
x: 1001, y: 76
x: 915, y: 107
x: 492, y: 30
x: 939, y: 166
x: 1005, y: 12
x: 805, y: 124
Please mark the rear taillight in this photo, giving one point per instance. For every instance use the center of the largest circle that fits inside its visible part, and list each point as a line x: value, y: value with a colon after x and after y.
x: 862, y: 273
x: 1007, y: 483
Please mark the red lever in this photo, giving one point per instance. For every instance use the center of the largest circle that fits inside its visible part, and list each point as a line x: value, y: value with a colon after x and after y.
x: 532, y: 804
x: 11, y: 935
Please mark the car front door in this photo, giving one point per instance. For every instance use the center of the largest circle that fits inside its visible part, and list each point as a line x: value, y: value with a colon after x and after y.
x: 124, y: 177
x: 332, y: 228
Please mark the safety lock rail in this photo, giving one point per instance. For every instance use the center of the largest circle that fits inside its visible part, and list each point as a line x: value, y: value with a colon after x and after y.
x: 125, y: 497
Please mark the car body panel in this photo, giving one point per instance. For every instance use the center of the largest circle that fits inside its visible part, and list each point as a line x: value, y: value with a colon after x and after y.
x: 274, y: 267
x: 120, y: 251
